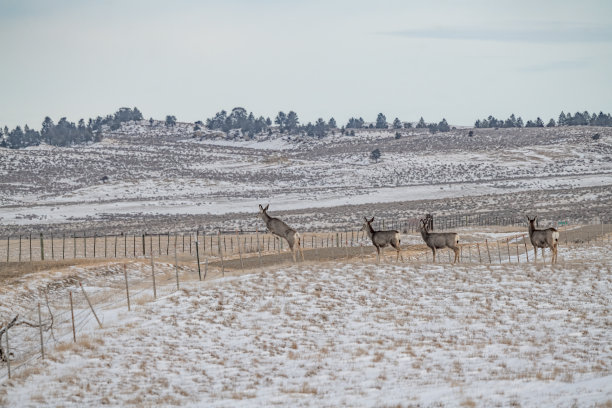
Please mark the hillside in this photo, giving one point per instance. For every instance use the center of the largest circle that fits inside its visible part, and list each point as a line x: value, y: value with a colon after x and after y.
x: 163, y: 178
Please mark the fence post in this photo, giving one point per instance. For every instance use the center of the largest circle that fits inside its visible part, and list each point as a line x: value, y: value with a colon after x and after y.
x: 206, y: 268
x: 508, y: 246
x: 198, y: 259
x: 479, y: 257
x: 498, y: 252
x: 153, y: 272
x: 176, y: 266
x: 526, y: 252
x: 72, y: 316
x: 239, y: 251
x: 85, y: 244
x: 52, y: 250
x: 74, y: 245
x: 127, y: 289
x: 518, y: 259
x: 488, y: 253
x: 30, y: 247
x: 94, y: 237
x: 63, y: 245
x: 42, y: 248
x: 8, y: 248
x: 90, y: 306
x: 8, y: 350
x: 258, y: 247
x: 19, y: 248
x: 42, y: 347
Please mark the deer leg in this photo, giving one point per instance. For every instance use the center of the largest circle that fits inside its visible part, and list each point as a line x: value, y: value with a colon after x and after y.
x: 433, y: 250
x: 377, y: 254
x: 535, y: 254
x: 456, y: 255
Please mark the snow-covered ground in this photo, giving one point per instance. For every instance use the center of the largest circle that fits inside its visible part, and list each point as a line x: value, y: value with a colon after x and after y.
x: 338, y: 334
x: 161, y: 172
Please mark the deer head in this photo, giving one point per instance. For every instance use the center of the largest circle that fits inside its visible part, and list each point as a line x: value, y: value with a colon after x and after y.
x: 366, y: 225
x: 262, y: 210
x: 531, y: 220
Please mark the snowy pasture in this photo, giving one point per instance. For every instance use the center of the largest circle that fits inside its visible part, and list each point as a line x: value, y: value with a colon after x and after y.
x: 350, y: 334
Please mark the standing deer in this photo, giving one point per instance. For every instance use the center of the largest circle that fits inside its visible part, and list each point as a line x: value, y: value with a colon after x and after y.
x: 381, y: 239
x: 282, y: 230
x: 440, y: 240
x: 543, y: 238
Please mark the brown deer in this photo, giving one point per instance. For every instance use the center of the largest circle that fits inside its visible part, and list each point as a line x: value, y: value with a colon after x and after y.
x: 440, y: 240
x: 282, y: 230
x: 543, y: 238
x: 381, y: 239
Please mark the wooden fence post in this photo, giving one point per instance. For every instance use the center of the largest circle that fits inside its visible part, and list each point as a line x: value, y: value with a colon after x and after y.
x: 198, y: 259
x: 526, y: 253
x: 488, y: 253
x: 72, y: 316
x: 239, y: 251
x: 176, y: 266
x: 42, y: 346
x: 8, y: 248
x: 64, y: 246
x: 90, y: 306
x: 498, y: 252
x: 42, y: 248
x: 30, y: 247
x: 258, y: 247
x: 508, y: 246
x: 52, y: 251
x: 206, y: 268
x: 8, y: 349
x: 85, y: 244
x: 127, y: 289
x: 479, y: 257
x: 153, y: 271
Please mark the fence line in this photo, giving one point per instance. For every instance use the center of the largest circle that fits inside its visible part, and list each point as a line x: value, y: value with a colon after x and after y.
x: 74, y: 316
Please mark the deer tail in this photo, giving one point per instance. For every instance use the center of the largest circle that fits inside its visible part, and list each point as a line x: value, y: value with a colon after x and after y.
x: 555, y: 236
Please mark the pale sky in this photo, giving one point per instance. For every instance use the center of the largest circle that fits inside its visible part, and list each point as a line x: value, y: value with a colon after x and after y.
x: 461, y: 60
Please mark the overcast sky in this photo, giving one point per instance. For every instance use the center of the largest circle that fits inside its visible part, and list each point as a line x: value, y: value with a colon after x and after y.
x: 455, y: 59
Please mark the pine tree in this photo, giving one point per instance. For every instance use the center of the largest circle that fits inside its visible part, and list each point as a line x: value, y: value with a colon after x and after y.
x: 375, y: 155
x: 421, y: 124
x: 381, y: 122
x: 397, y: 124
x: 332, y: 123
x: 551, y: 123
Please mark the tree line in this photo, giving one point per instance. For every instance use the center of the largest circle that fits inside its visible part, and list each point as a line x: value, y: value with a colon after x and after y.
x: 578, y: 119
x: 66, y: 133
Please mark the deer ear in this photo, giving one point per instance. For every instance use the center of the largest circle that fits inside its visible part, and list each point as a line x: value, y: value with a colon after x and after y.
x: 372, y: 220
x: 260, y: 207
x: 535, y: 218
x: 266, y: 209
x: 366, y: 220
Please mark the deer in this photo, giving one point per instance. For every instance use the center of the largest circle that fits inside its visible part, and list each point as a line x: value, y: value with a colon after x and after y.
x: 543, y: 238
x: 281, y: 230
x: 382, y: 239
x: 439, y: 240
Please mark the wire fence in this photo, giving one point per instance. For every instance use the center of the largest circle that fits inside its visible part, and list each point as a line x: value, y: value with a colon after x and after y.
x: 61, y: 316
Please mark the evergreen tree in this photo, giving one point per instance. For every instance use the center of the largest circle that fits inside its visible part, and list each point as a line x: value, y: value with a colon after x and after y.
x: 562, y: 120
x: 397, y: 124
x: 354, y: 123
x: 281, y: 121
x: 170, y: 121
x: 421, y: 124
x: 519, y: 122
x: 320, y: 128
x: 292, y: 121
x: 375, y: 155
x: 381, y: 122
x: 539, y: 122
x: 551, y: 123
x: 443, y: 126
x: 407, y: 125
x: 332, y: 123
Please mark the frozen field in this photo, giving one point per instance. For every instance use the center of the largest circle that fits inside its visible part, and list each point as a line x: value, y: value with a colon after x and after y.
x: 164, y: 179
x: 353, y: 334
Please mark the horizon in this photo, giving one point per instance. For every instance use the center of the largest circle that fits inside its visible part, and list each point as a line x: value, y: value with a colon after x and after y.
x: 461, y: 62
